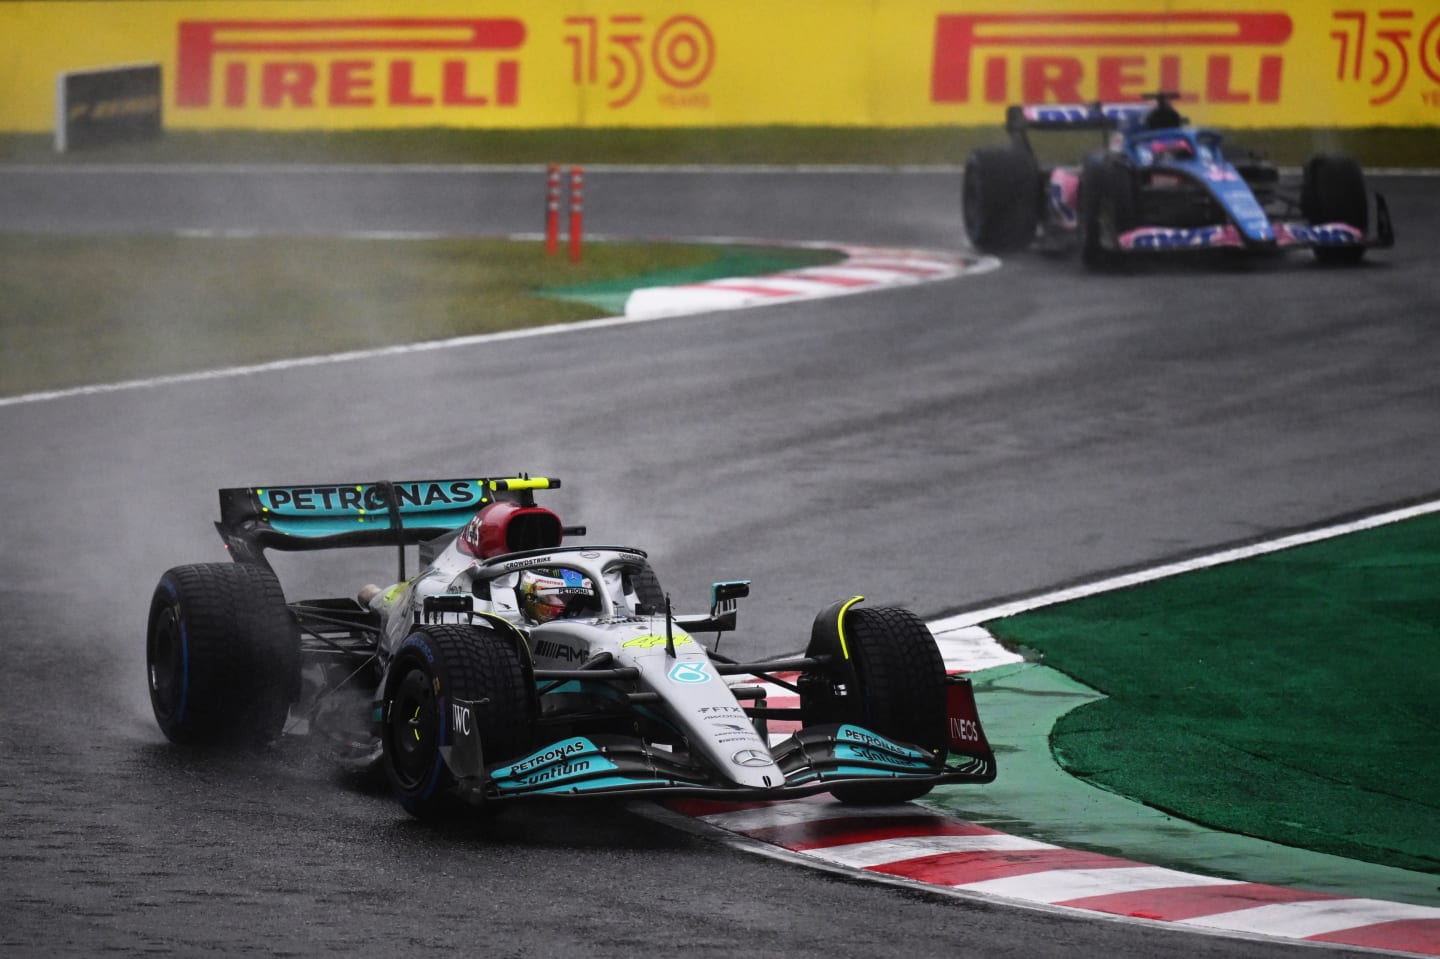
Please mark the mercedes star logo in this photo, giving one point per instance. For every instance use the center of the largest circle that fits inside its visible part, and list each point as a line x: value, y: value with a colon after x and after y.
x: 751, y: 757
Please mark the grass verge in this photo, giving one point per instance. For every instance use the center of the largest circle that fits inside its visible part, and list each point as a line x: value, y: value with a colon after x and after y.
x: 95, y: 309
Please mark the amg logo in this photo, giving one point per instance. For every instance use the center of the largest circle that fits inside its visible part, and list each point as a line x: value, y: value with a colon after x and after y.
x: 549, y: 649
x: 305, y: 64
x: 1128, y: 53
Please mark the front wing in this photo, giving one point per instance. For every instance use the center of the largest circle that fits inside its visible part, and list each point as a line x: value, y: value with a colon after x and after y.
x: 815, y: 759
x: 1284, y: 234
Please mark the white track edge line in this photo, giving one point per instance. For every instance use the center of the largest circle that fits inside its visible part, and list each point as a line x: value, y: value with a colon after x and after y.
x: 743, y: 843
x: 978, y: 265
x: 1166, y: 570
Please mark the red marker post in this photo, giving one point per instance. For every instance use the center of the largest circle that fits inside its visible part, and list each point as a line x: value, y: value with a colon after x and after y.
x: 552, y: 210
x: 577, y: 208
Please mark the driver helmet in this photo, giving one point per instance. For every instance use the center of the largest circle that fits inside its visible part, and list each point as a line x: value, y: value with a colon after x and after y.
x: 550, y: 594
x: 1177, y: 148
x: 1163, y: 116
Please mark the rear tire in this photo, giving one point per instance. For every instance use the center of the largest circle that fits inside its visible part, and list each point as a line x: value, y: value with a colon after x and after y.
x: 901, y: 696
x: 434, y: 666
x: 1333, y: 191
x: 1001, y: 198
x: 222, y: 655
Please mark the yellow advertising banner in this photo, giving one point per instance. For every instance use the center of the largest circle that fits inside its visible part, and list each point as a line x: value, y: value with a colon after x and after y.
x: 361, y: 64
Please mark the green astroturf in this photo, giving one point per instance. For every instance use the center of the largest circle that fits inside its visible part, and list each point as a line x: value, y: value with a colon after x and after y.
x: 1291, y: 697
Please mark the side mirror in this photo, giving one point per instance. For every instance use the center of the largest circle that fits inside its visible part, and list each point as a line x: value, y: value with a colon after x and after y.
x: 723, y: 596
x: 724, y: 601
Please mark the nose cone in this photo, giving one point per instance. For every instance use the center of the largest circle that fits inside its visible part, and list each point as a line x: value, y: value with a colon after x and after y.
x: 753, y: 766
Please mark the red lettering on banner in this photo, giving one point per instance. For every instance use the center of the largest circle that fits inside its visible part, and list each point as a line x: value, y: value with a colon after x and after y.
x: 507, y: 83
x: 235, y: 74
x: 305, y: 64
x: 455, y: 93
x: 1267, y: 87
x: 1170, y: 74
x: 997, y: 71
x: 1009, y: 45
x: 1120, y: 78
x: 293, y: 82
x: 1430, y: 50
x: 680, y: 53
x: 1382, y: 50
x: 1053, y: 79
x: 1217, y: 82
x: 402, y: 86
x: 1219, y: 88
x: 352, y: 83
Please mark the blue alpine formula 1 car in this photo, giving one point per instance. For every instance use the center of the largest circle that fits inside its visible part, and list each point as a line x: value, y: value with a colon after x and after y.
x: 1160, y: 186
x: 513, y: 666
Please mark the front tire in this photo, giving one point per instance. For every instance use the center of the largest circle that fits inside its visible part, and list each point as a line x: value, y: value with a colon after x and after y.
x: 433, y: 667
x: 1107, y: 209
x: 222, y: 655
x: 1333, y: 191
x: 901, y: 695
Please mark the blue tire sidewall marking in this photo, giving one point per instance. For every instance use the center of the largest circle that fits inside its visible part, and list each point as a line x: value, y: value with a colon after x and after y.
x: 418, y: 643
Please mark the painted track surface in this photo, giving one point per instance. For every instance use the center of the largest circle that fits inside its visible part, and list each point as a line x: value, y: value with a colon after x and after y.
x: 920, y: 846
x: 939, y: 447
x: 1224, y: 881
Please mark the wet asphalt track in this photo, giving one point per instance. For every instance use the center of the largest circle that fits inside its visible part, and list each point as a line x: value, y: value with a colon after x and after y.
x: 938, y: 447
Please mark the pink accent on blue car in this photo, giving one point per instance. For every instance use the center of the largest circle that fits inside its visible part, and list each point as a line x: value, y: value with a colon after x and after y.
x: 1064, y: 192
x: 1179, y: 238
x: 1319, y: 234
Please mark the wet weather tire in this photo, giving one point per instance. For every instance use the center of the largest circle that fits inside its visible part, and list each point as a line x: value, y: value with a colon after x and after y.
x: 433, y: 667
x: 901, y: 677
x: 1001, y: 198
x: 1107, y: 209
x: 222, y: 655
x: 1333, y: 191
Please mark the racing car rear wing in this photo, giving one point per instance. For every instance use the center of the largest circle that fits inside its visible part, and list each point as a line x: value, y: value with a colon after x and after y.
x: 383, y: 513
x: 1075, y: 116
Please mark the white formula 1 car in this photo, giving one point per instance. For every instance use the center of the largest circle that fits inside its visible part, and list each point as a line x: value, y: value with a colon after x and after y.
x: 515, y: 667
